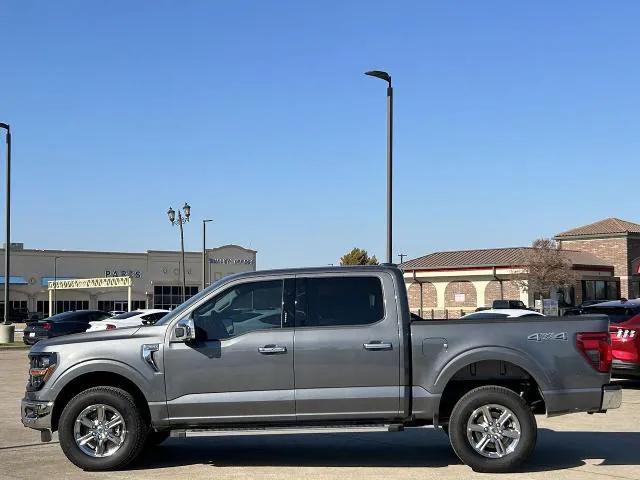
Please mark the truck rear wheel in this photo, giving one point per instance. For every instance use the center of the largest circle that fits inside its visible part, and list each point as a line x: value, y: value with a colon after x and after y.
x: 492, y: 429
x: 102, y: 429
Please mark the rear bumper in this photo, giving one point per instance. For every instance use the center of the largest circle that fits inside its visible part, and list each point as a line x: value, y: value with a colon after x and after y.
x: 611, y: 397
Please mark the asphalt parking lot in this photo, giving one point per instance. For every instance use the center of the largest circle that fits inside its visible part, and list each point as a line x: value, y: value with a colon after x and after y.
x: 577, y: 446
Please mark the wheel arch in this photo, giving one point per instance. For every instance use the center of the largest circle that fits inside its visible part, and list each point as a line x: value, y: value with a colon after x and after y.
x: 511, y: 369
x: 95, y: 379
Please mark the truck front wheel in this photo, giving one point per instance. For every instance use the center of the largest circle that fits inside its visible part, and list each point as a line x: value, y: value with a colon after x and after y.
x: 492, y: 429
x: 102, y: 429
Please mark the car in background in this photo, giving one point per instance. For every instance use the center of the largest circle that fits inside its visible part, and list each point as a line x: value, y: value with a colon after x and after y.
x: 60, y: 324
x: 502, y: 313
x: 508, y: 304
x: 618, y: 311
x: 625, y: 344
x: 135, y: 318
x: 577, y: 310
x: 624, y: 328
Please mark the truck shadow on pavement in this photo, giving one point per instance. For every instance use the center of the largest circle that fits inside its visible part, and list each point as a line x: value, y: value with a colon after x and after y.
x: 412, y: 448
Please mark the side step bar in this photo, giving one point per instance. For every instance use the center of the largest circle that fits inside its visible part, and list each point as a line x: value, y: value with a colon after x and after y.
x: 225, y: 432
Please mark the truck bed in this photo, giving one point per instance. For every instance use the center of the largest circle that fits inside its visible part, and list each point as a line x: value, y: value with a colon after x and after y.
x: 538, y: 349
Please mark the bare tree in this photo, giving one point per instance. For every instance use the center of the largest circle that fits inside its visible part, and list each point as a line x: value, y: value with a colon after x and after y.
x: 546, y: 267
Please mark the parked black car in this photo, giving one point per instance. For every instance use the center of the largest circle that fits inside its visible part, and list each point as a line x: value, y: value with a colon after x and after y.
x: 618, y: 311
x: 579, y: 310
x: 62, y: 324
x: 508, y: 304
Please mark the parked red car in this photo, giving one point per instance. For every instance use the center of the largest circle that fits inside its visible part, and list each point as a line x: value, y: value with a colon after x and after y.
x: 625, y: 342
x: 624, y: 329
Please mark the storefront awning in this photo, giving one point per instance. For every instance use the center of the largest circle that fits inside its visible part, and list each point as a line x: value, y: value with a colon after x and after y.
x: 45, y: 280
x: 13, y: 280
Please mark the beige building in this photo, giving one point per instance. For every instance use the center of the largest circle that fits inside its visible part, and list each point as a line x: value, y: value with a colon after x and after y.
x: 156, y: 275
x: 604, y: 255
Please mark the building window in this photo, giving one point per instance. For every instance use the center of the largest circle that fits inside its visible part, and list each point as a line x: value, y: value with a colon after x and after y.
x: 111, y: 305
x: 42, y: 307
x: 16, y: 306
x: 70, y: 305
x: 599, y: 290
x: 169, y: 297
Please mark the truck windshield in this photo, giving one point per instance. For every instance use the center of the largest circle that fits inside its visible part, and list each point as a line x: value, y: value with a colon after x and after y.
x: 184, y: 306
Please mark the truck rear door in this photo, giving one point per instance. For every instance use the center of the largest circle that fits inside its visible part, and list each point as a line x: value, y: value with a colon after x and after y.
x: 347, y: 347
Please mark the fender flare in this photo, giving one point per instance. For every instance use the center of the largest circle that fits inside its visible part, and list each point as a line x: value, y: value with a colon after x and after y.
x: 95, y: 366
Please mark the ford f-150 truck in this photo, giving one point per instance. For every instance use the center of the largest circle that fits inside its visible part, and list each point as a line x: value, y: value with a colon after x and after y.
x: 319, y: 347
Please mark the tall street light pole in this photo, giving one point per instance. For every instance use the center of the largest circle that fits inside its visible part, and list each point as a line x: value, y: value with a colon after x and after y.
x: 387, y: 78
x: 7, y: 246
x: 181, y: 221
x: 6, y: 329
x: 55, y: 282
x: 204, y: 252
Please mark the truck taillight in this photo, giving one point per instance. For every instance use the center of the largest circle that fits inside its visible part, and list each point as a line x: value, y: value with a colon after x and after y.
x: 596, y: 348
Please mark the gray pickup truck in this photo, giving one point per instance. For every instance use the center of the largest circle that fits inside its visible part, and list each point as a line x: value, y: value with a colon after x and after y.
x: 320, y: 347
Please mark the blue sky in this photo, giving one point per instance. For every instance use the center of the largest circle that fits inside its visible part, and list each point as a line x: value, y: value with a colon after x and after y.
x: 513, y: 120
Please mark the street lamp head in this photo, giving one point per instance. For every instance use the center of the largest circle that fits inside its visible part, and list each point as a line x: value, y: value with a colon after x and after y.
x: 379, y: 74
x: 172, y: 214
x: 187, y: 210
x: 4, y: 125
x: 207, y: 220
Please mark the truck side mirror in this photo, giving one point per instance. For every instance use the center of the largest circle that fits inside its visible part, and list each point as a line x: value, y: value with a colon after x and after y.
x: 185, y: 330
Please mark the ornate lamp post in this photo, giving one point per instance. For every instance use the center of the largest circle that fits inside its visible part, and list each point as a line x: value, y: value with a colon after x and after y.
x: 180, y: 221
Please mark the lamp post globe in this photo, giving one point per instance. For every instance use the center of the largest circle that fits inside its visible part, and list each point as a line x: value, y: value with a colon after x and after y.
x: 187, y: 210
x: 171, y: 214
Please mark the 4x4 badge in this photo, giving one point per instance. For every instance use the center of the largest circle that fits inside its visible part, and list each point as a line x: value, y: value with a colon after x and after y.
x: 540, y: 337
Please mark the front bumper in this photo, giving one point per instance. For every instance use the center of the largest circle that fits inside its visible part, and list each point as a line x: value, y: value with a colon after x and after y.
x: 36, y: 414
x: 611, y: 397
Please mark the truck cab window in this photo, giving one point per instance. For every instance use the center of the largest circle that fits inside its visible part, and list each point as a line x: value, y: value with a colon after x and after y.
x: 240, y: 309
x: 340, y: 301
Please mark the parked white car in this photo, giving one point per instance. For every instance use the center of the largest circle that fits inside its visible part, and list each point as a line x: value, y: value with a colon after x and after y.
x: 134, y: 318
x: 502, y: 313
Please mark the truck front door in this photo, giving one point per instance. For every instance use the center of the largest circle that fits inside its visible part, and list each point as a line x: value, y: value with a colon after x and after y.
x: 347, y: 347
x: 240, y: 368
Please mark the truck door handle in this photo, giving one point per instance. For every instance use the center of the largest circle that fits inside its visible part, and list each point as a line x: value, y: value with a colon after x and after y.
x: 377, y: 345
x: 272, y: 349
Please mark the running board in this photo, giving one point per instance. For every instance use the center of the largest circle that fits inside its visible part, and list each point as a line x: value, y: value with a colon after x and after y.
x: 302, y: 430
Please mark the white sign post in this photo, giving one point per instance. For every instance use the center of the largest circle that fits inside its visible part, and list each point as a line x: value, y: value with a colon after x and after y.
x: 79, y: 283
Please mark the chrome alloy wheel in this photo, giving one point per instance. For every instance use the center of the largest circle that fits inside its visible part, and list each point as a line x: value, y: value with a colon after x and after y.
x: 493, y: 431
x: 99, y: 430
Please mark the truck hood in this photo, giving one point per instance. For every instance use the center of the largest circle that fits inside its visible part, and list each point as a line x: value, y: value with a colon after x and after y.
x: 85, y: 337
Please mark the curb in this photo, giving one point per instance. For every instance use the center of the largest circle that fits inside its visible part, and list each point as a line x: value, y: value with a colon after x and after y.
x: 17, y: 347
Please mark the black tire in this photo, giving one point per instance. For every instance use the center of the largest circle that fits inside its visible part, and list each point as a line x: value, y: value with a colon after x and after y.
x: 156, y: 438
x: 463, y: 411
x: 136, y: 428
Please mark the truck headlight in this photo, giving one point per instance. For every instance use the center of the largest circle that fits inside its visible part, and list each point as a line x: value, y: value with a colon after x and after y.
x: 41, y: 366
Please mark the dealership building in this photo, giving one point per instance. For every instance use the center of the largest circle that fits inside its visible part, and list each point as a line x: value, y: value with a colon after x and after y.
x: 156, y: 276
x: 605, y: 258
